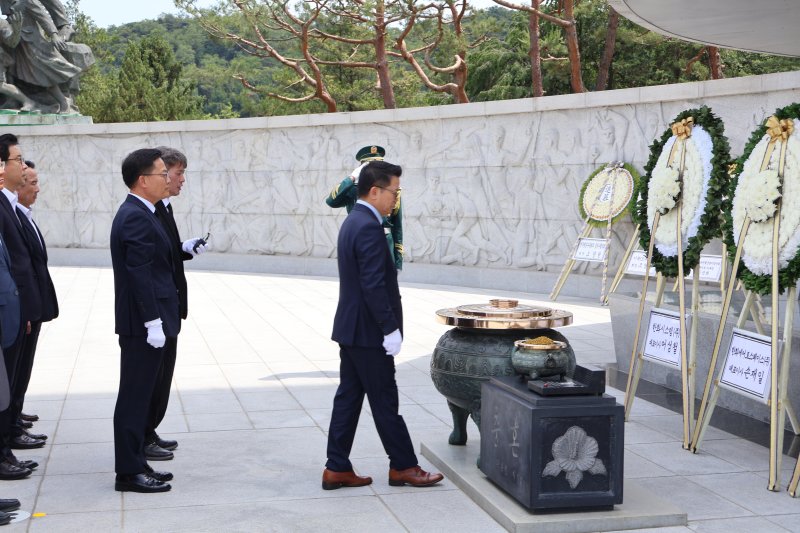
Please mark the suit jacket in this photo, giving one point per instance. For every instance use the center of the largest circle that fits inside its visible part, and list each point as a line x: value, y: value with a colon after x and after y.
x: 9, y: 308
x: 346, y: 194
x: 25, y: 276
x: 142, y: 259
x: 38, y: 251
x: 369, y: 297
x: 164, y: 214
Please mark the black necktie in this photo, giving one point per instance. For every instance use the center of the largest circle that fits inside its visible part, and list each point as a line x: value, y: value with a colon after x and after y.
x: 161, y: 212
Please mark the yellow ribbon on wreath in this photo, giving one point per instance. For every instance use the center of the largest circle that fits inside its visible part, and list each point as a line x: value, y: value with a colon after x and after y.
x: 778, y: 130
x: 683, y: 129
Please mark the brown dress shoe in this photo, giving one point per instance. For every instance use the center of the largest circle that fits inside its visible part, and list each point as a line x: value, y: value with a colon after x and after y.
x: 414, y: 476
x: 335, y: 480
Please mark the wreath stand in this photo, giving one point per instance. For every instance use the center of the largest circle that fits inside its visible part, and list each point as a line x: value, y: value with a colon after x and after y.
x: 611, y: 176
x: 624, y: 264
x: 779, y: 374
x: 687, y: 359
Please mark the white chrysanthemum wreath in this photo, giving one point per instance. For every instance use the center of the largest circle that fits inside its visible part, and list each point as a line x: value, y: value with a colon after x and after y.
x: 666, y: 190
x: 758, y: 188
x: 696, y: 150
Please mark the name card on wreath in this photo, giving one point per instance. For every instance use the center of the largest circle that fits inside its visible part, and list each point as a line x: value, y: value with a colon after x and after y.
x: 747, y: 365
x: 589, y: 249
x: 663, y: 343
x: 710, y: 268
x: 637, y: 263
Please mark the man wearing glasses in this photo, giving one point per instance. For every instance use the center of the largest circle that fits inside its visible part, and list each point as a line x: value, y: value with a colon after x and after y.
x: 157, y: 448
x: 12, y: 433
x: 145, y: 311
x: 368, y: 327
x: 346, y: 193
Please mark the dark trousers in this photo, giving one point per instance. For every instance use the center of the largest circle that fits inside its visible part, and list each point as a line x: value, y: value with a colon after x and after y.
x: 160, y: 399
x: 8, y: 418
x: 22, y: 377
x: 367, y: 371
x: 137, y: 378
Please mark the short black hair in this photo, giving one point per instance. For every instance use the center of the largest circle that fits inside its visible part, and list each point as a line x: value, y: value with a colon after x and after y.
x: 172, y: 157
x: 30, y: 164
x: 137, y: 163
x: 7, y: 140
x: 376, y: 174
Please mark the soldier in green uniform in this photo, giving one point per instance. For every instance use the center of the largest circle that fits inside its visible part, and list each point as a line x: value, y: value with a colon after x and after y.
x: 346, y: 193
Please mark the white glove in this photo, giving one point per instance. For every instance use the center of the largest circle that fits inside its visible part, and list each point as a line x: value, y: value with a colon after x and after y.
x: 155, y: 333
x: 357, y: 172
x: 392, y: 342
x: 195, y: 246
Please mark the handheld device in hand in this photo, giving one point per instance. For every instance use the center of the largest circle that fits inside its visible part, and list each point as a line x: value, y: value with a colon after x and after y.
x: 201, y: 242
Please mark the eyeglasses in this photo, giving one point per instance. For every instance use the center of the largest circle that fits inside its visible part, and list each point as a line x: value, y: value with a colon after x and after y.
x: 164, y: 175
x: 19, y: 159
x: 396, y: 192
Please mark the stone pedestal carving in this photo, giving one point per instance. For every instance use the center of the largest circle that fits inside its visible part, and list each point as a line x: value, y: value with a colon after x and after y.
x: 558, y: 452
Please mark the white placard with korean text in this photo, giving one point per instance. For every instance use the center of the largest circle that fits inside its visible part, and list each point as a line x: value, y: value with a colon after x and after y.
x: 710, y: 268
x: 663, y: 342
x: 637, y: 263
x: 592, y: 250
x: 747, y: 365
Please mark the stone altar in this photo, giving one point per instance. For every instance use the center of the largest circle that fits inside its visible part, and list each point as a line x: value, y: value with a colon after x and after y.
x: 553, y: 452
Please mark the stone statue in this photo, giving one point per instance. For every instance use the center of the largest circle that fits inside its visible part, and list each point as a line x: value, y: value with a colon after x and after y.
x: 44, y: 64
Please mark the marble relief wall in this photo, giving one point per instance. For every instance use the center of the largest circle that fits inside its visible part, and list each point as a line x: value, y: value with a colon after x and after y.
x: 492, y: 185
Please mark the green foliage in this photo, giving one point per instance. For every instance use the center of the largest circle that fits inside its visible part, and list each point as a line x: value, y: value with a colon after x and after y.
x: 628, y: 208
x: 147, y: 87
x: 710, y: 223
x: 499, y: 68
x: 787, y: 276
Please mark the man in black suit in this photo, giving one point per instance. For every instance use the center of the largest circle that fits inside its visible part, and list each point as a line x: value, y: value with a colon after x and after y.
x: 157, y: 448
x: 15, y: 237
x: 38, y: 250
x: 9, y: 331
x: 368, y: 327
x: 145, y: 310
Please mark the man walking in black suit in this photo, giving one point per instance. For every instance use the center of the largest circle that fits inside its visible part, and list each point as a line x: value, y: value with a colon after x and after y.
x: 145, y: 310
x: 368, y: 327
x: 156, y: 448
x: 15, y: 238
x: 38, y: 250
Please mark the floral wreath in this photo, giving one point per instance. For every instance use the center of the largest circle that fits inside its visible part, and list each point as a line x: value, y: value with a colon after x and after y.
x: 703, y: 153
x: 755, y: 187
x: 595, y: 187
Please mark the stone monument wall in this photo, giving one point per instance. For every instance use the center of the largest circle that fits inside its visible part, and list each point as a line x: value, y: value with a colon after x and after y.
x: 489, y: 185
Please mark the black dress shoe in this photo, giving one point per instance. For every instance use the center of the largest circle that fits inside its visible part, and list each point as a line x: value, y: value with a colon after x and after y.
x: 38, y: 436
x: 30, y: 465
x: 154, y: 452
x: 139, y: 483
x: 11, y: 471
x: 29, y: 418
x: 167, y: 444
x: 5, y: 518
x: 160, y: 476
x: 24, y: 424
x: 24, y: 442
x: 6, y: 506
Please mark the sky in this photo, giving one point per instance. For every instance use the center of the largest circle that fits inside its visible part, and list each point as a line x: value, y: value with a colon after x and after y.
x: 107, y: 13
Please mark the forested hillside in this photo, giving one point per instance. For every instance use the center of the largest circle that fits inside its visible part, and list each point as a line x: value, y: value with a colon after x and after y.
x: 172, y: 68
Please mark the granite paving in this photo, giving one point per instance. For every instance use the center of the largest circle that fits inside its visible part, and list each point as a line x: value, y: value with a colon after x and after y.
x: 251, y: 400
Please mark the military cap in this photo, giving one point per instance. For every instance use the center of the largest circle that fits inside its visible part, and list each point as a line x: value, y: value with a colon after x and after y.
x: 370, y: 153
